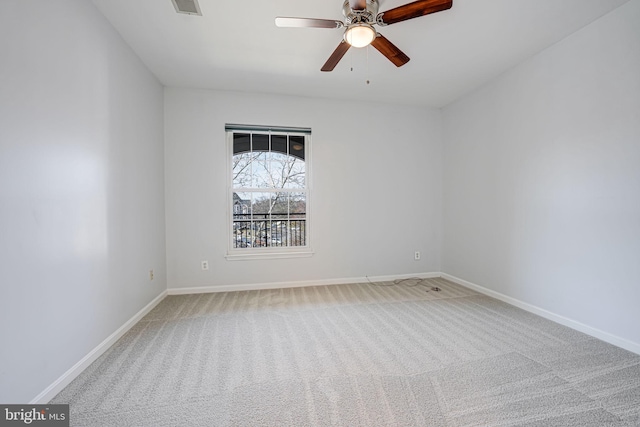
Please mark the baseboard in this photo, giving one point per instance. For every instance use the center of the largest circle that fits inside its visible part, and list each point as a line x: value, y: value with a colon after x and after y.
x: 581, y: 327
x: 66, y: 378
x: 295, y: 284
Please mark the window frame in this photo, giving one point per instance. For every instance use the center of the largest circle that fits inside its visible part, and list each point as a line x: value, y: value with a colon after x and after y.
x: 234, y: 253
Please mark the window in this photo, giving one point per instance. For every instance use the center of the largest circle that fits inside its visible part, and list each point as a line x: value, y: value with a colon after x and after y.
x: 269, y: 192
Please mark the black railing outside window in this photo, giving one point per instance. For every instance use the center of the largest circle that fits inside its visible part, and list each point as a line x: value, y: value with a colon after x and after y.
x: 267, y: 230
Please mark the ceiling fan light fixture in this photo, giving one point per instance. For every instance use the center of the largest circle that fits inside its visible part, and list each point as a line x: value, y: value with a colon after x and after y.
x: 359, y: 35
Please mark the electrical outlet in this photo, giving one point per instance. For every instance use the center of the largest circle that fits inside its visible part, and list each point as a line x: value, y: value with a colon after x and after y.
x: 205, y: 265
x: 150, y: 274
x: 416, y: 255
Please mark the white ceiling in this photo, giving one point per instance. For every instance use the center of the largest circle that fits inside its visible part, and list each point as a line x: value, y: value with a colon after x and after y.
x: 236, y: 46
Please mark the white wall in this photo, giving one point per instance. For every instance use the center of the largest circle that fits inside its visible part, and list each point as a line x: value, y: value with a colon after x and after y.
x: 81, y: 189
x: 542, y: 179
x: 376, y: 188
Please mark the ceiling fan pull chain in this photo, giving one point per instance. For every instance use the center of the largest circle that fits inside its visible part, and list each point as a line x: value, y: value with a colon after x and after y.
x: 351, y: 59
x: 367, y: 64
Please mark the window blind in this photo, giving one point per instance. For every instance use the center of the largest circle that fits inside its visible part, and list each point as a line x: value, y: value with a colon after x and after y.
x: 257, y: 128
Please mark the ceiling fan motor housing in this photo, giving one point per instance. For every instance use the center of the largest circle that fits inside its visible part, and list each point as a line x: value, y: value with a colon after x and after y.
x: 365, y: 16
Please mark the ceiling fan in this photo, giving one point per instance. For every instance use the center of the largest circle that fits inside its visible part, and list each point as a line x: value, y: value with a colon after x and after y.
x: 360, y: 17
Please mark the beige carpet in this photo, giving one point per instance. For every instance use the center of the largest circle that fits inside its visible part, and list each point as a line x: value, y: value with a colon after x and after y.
x: 354, y: 355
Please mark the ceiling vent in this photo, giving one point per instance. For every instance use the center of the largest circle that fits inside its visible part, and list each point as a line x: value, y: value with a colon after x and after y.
x: 190, y: 7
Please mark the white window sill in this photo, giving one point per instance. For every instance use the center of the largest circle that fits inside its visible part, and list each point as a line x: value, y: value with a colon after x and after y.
x: 253, y: 255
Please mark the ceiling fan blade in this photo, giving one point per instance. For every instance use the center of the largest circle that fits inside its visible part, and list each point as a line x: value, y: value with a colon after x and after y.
x: 336, y: 56
x: 358, y: 4
x: 388, y: 49
x: 413, y: 10
x: 287, y: 22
